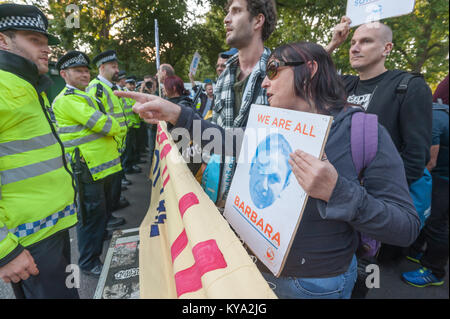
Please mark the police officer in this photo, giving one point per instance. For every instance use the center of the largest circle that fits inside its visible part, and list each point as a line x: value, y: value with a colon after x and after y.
x: 87, y: 132
x: 130, y: 153
x: 36, y: 190
x: 102, y: 88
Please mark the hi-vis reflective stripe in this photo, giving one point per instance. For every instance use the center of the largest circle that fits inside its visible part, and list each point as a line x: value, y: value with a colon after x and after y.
x: 3, y: 233
x: 87, y: 98
x: 90, y: 124
x: 21, y: 146
x: 105, y: 166
x: 94, y: 119
x: 116, y: 115
x: 107, y: 127
x: 33, y: 170
x: 31, y: 228
x: 71, y: 129
x: 82, y: 140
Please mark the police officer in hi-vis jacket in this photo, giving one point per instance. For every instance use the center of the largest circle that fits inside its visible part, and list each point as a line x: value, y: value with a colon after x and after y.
x: 88, y: 134
x: 36, y: 185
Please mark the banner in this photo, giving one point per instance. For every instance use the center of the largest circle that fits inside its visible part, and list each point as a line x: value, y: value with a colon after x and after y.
x: 366, y: 11
x: 188, y: 250
x: 265, y: 203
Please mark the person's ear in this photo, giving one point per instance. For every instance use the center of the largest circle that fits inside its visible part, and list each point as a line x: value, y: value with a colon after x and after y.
x: 313, y: 66
x: 259, y: 21
x: 5, y: 42
x: 388, y: 48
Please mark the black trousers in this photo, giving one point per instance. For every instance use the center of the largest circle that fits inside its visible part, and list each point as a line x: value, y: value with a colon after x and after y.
x: 128, y: 158
x: 115, y: 191
x: 52, y: 256
x: 433, y: 239
x: 91, y: 232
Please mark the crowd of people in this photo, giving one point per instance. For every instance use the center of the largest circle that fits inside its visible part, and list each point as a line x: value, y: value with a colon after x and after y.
x: 65, y: 164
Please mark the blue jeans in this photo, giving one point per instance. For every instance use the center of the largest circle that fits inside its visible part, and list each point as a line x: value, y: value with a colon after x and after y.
x: 339, y: 287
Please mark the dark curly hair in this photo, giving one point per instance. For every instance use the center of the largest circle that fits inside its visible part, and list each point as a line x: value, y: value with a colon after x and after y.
x: 267, y: 8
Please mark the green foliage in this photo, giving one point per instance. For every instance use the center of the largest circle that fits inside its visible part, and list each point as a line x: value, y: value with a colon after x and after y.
x: 420, y: 39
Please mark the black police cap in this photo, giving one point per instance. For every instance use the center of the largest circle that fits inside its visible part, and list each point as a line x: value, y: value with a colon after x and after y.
x: 131, y: 79
x: 122, y: 75
x: 105, y: 57
x: 26, y: 18
x: 72, y: 59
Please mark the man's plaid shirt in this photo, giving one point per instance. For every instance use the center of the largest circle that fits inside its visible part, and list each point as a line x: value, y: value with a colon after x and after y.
x: 223, y: 112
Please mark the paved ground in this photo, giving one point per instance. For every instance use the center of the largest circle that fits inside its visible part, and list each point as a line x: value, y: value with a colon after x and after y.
x: 391, y: 287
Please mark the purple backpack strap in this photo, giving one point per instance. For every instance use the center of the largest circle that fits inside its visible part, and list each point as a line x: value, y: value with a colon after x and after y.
x: 364, y: 145
x: 364, y: 140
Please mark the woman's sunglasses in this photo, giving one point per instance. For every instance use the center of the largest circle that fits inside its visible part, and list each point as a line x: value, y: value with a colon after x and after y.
x: 272, y: 67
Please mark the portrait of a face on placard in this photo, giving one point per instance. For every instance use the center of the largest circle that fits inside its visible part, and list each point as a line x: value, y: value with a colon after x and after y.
x: 269, y: 170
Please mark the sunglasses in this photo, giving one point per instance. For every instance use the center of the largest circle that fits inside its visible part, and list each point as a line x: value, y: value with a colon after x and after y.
x: 272, y: 67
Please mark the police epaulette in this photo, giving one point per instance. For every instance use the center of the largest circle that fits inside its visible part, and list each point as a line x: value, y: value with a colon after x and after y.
x: 69, y: 91
x: 99, y: 92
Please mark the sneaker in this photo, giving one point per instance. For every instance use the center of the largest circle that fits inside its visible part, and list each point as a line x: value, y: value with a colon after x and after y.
x: 420, y: 278
x: 416, y: 258
x: 94, y: 272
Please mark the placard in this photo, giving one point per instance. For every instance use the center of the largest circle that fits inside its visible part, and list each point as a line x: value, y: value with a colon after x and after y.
x: 365, y: 11
x: 265, y: 202
x: 194, y: 63
x: 120, y: 274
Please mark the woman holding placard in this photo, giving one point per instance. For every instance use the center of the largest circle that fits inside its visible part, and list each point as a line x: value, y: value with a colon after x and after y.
x: 322, y: 262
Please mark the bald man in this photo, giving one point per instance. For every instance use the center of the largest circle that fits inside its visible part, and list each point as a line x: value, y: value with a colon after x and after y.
x: 402, y: 101
x: 165, y: 70
x: 406, y: 114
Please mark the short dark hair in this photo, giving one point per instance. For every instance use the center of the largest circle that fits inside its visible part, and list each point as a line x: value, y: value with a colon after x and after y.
x: 268, y: 8
x: 325, y: 89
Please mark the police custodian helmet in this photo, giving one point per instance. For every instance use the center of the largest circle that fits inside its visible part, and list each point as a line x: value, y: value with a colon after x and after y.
x: 25, y: 18
x: 72, y: 59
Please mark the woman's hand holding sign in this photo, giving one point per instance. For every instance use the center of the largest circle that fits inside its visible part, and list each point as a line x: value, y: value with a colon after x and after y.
x: 152, y: 108
x: 317, y: 177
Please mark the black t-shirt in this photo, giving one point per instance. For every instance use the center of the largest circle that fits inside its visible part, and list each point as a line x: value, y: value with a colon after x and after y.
x: 364, y: 91
x: 407, y: 116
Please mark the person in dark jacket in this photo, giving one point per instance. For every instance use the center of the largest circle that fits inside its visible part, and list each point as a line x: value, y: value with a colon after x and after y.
x: 402, y: 102
x: 406, y: 115
x: 431, y: 247
x: 321, y: 262
x: 176, y: 92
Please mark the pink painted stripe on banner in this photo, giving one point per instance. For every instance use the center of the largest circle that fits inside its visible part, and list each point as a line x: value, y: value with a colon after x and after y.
x: 166, y: 149
x: 178, y: 245
x: 187, y: 201
x: 188, y: 280
x: 162, y: 137
x: 208, y: 257
x: 166, y: 181
x: 164, y: 170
